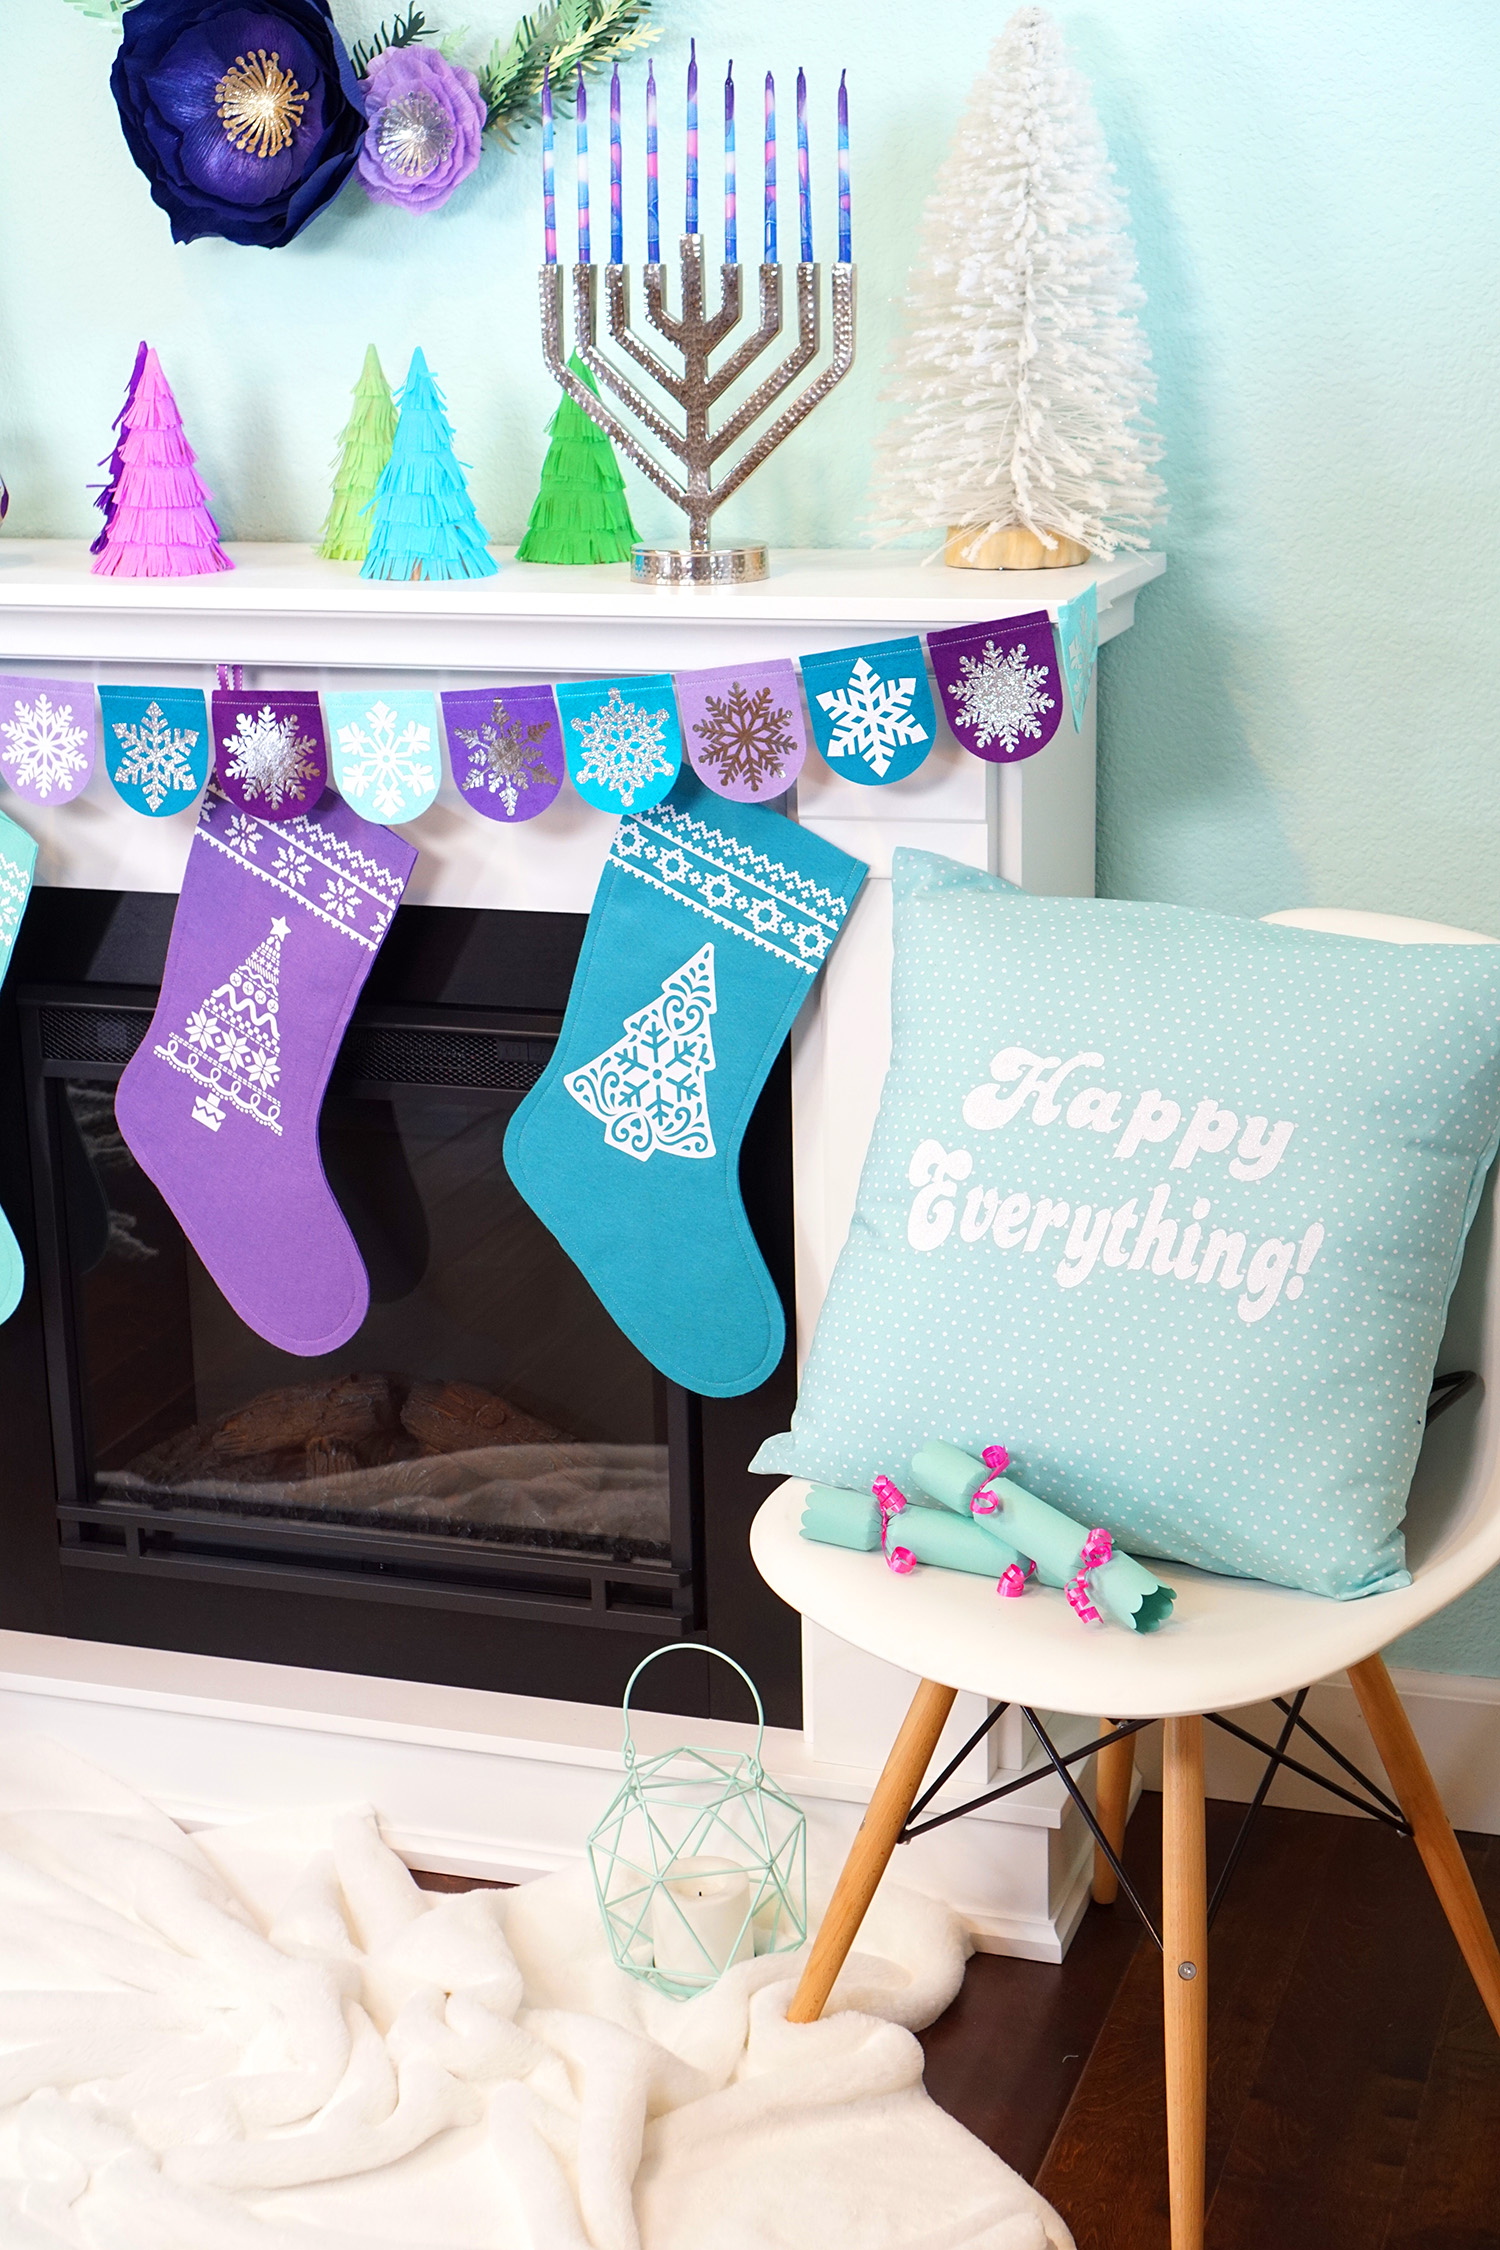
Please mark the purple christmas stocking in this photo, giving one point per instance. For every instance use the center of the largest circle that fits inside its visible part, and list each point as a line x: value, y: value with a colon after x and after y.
x: 274, y: 935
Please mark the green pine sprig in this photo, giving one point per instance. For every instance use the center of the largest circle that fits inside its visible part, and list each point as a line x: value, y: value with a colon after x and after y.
x: 575, y: 34
x: 401, y: 31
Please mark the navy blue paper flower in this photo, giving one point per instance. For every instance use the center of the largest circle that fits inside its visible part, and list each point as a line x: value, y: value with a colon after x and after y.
x: 246, y: 118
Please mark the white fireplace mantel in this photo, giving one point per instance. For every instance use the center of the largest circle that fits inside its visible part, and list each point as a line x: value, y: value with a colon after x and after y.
x: 508, y: 1785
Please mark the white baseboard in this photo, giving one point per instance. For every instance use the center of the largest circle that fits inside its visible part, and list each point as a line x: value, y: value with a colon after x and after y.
x: 1456, y: 1719
x: 499, y: 1786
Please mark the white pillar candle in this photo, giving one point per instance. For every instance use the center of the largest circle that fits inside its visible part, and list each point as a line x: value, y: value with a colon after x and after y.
x: 700, y: 1919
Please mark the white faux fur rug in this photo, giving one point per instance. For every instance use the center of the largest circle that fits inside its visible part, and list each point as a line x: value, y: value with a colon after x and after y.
x: 267, y: 2038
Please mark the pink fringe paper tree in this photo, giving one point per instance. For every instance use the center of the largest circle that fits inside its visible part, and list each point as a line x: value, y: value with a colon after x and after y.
x: 156, y: 518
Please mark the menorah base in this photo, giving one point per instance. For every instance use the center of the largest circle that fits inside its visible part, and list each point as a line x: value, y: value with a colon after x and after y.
x: 690, y: 566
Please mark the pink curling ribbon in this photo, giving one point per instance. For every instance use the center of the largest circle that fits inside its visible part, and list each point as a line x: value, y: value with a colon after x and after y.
x: 1013, y: 1580
x: 891, y: 1500
x: 1097, y: 1550
x: 997, y: 1461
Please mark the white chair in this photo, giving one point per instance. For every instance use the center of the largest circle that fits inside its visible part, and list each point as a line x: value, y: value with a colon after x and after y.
x: 1231, y: 1642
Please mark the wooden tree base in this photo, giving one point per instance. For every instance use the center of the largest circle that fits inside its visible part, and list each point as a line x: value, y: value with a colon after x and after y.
x: 1014, y: 548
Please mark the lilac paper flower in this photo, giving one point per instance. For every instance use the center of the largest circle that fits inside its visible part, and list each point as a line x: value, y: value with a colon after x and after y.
x: 426, y: 123
x: 244, y: 115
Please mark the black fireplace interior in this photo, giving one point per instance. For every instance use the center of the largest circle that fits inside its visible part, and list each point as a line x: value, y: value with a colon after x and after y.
x: 488, y: 1485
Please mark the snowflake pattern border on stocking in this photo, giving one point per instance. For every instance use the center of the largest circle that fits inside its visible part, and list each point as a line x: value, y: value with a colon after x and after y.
x: 730, y: 883
x: 334, y: 881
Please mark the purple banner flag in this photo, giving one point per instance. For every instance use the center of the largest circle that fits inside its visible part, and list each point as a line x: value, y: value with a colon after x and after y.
x: 999, y: 685
x: 271, y: 755
x: 744, y: 729
x: 505, y: 748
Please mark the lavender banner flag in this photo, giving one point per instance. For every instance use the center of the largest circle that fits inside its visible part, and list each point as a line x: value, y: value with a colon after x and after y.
x: 1078, y: 645
x: 744, y: 730
x: 999, y: 685
x: 871, y: 709
x: 156, y: 746
x: 46, y: 738
x: 271, y: 756
x: 505, y: 747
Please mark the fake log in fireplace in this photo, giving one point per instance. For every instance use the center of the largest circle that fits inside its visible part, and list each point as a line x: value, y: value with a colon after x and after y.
x: 488, y: 1484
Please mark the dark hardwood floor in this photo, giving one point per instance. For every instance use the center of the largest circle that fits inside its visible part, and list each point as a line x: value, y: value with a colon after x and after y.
x: 1354, y: 2098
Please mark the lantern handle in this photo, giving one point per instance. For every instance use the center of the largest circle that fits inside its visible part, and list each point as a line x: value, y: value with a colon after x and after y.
x: 696, y: 1648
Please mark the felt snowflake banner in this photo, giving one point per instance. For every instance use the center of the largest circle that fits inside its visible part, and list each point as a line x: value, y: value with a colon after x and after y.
x: 386, y: 760
x: 46, y: 738
x: 743, y: 728
x: 271, y: 757
x: 623, y: 742
x: 872, y: 710
x: 999, y: 685
x: 1078, y: 645
x: 156, y: 746
x: 505, y: 748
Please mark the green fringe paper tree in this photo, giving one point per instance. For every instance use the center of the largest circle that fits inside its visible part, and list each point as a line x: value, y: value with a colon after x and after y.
x: 580, y: 514
x: 424, y: 521
x: 364, y: 449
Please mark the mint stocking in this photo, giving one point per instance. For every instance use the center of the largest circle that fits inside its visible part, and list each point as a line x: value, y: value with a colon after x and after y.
x: 273, y: 938
x: 710, y: 922
x: 17, y: 860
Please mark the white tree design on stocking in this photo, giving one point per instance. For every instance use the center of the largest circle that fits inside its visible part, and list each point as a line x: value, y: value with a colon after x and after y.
x: 231, y: 1045
x: 649, y: 1090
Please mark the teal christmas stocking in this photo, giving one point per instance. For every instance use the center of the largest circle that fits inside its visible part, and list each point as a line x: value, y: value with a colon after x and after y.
x: 17, y: 860
x: 710, y: 923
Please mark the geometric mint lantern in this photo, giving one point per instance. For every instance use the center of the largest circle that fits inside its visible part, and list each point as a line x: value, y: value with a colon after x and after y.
x: 700, y: 1861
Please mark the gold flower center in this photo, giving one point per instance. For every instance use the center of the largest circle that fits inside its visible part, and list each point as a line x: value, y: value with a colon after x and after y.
x: 260, y: 105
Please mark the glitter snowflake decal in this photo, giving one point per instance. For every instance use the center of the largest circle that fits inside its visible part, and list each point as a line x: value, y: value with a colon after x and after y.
x: 747, y: 739
x: 156, y: 757
x: 46, y: 749
x: 503, y: 757
x: 397, y: 768
x: 1001, y: 697
x: 622, y: 747
x: 872, y: 718
x: 269, y: 756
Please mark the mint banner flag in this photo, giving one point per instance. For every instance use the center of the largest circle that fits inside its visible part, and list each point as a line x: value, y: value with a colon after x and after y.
x: 999, y: 685
x: 271, y: 755
x: 385, y: 754
x: 46, y: 738
x: 624, y: 745
x: 744, y: 730
x: 1078, y: 646
x: 872, y: 710
x: 156, y: 747
x: 505, y: 748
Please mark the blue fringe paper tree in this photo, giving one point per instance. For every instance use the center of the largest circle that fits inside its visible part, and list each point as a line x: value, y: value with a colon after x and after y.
x: 424, y: 521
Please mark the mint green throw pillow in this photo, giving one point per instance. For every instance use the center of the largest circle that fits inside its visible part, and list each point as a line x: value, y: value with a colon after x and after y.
x: 1171, y: 1205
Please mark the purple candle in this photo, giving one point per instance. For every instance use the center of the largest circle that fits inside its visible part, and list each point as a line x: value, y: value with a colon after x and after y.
x: 690, y: 220
x: 804, y: 184
x: 653, y: 226
x: 770, y: 251
x: 585, y: 248
x: 731, y: 219
x: 844, y: 250
x: 549, y: 183
x: 616, y: 213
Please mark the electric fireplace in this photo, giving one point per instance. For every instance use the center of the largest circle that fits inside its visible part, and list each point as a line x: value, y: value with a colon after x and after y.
x: 488, y: 1485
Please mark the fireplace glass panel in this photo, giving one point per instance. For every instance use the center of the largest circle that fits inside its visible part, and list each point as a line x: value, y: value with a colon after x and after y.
x: 488, y: 1398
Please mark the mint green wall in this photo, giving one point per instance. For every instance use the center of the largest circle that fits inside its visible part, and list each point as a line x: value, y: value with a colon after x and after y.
x: 1302, y: 713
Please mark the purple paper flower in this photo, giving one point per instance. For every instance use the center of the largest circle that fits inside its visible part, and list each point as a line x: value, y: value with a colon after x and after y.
x: 244, y: 115
x: 426, y: 124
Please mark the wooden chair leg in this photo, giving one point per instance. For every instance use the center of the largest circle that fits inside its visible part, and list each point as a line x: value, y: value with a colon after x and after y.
x: 1417, y: 1794
x: 1114, y: 1771
x: 1185, y: 1975
x: 869, y: 1854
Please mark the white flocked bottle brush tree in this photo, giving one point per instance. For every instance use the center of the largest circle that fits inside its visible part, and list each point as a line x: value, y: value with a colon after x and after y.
x: 1022, y: 376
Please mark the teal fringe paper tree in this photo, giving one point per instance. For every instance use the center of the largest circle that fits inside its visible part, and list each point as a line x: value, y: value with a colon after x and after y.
x: 424, y: 521
x: 580, y: 514
x: 364, y: 449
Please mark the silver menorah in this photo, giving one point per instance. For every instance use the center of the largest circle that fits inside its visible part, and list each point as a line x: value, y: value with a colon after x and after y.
x: 696, y: 334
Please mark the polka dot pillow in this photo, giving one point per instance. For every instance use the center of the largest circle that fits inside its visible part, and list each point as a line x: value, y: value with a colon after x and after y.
x: 1170, y: 1204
